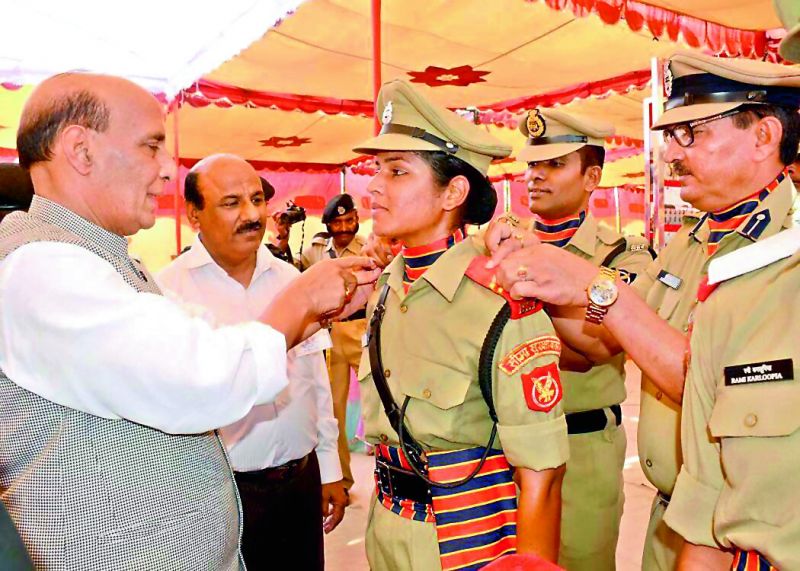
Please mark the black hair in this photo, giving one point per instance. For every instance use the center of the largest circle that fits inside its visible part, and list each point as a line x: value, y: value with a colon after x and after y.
x: 790, y: 121
x: 482, y: 198
x: 591, y: 156
x: 40, y: 126
x: 191, y: 190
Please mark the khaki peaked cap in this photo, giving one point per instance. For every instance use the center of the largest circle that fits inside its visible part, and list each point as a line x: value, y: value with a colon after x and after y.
x: 412, y: 123
x: 700, y: 86
x: 554, y: 133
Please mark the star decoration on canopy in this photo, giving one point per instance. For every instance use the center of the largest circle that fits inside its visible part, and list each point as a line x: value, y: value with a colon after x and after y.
x: 281, y: 142
x: 437, y: 76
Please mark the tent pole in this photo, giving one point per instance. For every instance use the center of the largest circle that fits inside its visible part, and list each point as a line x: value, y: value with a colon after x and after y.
x: 376, y: 56
x: 506, y: 195
x: 176, y: 198
x: 342, y: 175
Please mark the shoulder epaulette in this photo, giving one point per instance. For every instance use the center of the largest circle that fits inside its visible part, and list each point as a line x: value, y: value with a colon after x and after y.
x: 754, y: 257
x: 319, y: 240
x: 638, y: 244
x: 483, y: 276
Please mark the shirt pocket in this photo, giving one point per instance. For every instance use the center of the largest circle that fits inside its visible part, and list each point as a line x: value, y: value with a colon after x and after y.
x: 759, y: 410
x: 668, y: 303
x: 445, y: 388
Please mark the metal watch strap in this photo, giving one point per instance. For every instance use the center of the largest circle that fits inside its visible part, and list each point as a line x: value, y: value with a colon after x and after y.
x: 596, y: 313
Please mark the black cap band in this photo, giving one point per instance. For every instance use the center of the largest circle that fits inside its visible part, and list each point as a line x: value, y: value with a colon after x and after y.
x: 708, y: 88
x: 417, y: 133
x: 536, y: 141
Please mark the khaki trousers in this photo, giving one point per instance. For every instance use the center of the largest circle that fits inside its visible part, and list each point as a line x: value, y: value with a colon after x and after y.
x: 345, y: 355
x: 661, y: 545
x: 592, y: 499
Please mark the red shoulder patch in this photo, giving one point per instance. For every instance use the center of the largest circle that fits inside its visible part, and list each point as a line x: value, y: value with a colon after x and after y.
x: 542, y: 388
x: 481, y: 275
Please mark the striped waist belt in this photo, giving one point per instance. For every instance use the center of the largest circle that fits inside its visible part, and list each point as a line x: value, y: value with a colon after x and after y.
x: 751, y: 561
x: 475, y: 522
x: 591, y: 420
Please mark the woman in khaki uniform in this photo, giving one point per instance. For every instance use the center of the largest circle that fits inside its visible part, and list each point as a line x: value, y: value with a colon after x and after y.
x: 435, y: 305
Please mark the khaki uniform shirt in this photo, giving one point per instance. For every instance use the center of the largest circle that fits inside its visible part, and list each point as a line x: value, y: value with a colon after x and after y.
x: 322, y: 248
x: 430, y: 345
x: 604, y: 384
x: 741, y: 442
x: 669, y: 285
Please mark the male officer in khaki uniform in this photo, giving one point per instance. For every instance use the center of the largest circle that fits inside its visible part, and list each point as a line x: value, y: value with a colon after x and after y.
x: 731, y: 127
x: 736, y: 488
x: 565, y: 154
x: 341, y: 218
x: 735, y: 491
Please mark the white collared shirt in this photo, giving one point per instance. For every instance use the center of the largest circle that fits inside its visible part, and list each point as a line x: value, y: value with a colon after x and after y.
x: 301, y: 417
x: 74, y: 332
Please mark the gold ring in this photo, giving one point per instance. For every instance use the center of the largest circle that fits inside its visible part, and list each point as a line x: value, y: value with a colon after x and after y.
x: 521, y: 237
x: 510, y: 219
x: 522, y: 272
x: 347, y: 292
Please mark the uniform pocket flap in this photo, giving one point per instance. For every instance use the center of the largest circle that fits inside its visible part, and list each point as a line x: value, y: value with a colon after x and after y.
x: 759, y: 410
x: 444, y: 392
x: 669, y: 303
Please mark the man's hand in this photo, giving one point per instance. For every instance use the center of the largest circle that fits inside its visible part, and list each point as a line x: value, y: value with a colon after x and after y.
x: 379, y: 249
x: 330, y: 285
x: 334, y: 500
x: 327, y: 289
x: 543, y: 271
x: 502, y: 229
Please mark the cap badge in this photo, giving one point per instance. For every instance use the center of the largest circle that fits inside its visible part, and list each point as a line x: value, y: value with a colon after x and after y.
x: 340, y: 210
x: 668, y: 81
x: 386, y: 118
x: 536, y: 124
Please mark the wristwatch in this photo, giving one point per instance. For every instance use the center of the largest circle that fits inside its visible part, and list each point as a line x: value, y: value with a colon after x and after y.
x: 602, y: 293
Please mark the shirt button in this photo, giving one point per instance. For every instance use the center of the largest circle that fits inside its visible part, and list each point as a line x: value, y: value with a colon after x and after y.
x: 649, y: 463
x: 659, y: 395
x: 387, y: 373
x: 750, y: 420
x: 384, y: 438
x: 685, y: 328
x: 403, y: 308
x: 426, y: 393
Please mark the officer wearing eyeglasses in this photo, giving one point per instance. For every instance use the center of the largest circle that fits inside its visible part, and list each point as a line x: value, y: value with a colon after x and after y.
x: 731, y: 128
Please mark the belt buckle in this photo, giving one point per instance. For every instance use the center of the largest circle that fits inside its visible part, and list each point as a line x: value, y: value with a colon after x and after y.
x: 384, y: 476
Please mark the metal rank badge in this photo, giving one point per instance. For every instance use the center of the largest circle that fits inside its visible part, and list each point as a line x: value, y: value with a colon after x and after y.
x: 536, y: 124
x: 386, y: 118
x: 668, y: 78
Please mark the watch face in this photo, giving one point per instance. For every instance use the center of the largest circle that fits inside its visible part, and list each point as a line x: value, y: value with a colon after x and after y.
x: 603, y: 293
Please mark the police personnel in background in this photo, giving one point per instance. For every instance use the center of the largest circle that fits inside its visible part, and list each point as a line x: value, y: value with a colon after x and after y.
x: 341, y: 219
x: 565, y: 155
x: 737, y: 497
x: 731, y: 128
x: 445, y: 366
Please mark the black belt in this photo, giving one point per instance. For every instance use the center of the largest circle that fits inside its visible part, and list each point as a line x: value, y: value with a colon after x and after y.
x: 283, y: 472
x: 360, y: 314
x: 591, y: 420
x: 401, y: 484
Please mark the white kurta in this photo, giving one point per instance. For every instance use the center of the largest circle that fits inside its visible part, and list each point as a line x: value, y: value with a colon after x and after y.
x: 301, y: 417
x: 142, y: 357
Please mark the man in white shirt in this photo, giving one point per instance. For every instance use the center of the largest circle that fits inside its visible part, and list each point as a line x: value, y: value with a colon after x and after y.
x: 109, y: 392
x: 284, y: 453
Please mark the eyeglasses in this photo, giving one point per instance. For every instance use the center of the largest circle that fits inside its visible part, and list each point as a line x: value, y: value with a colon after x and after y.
x: 683, y: 133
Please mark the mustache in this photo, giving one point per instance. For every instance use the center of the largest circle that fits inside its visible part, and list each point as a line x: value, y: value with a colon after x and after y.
x: 679, y: 169
x: 249, y: 226
x: 343, y: 233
